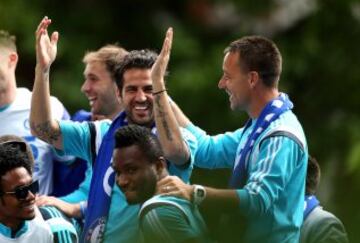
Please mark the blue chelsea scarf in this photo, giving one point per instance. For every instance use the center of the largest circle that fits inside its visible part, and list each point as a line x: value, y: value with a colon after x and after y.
x: 270, y: 113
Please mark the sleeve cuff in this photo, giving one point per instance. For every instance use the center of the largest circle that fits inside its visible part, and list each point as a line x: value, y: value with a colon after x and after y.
x: 244, y: 199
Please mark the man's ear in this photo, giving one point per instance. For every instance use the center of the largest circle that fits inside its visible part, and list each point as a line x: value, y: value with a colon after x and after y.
x: 160, y: 165
x: 253, y: 78
x: 13, y: 59
x: 118, y: 93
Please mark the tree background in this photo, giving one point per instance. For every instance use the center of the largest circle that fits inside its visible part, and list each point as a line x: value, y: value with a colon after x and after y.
x: 318, y: 40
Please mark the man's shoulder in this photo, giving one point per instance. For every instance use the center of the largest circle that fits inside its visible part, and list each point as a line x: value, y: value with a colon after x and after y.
x: 37, y: 231
x: 323, y: 226
x: 288, y: 123
x: 22, y: 100
x: 165, y: 206
x: 39, y: 225
x: 320, y: 216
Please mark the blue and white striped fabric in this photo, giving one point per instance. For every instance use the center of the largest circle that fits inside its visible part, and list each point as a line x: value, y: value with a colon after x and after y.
x: 270, y: 113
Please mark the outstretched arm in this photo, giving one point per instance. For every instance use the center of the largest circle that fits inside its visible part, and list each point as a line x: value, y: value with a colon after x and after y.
x: 181, y: 118
x: 227, y: 199
x: 170, y: 137
x: 41, y: 122
x: 72, y: 210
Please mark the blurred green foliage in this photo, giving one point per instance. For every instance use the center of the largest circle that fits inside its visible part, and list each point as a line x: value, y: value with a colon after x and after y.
x: 320, y: 73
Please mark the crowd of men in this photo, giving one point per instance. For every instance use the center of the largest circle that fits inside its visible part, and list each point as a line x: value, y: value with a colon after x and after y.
x: 139, y: 150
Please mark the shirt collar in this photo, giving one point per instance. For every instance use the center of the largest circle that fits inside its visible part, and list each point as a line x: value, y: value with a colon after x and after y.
x: 8, y: 232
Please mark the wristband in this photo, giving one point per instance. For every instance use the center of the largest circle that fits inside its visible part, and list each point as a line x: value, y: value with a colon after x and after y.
x: 159, y: 92
x: 83, y: 207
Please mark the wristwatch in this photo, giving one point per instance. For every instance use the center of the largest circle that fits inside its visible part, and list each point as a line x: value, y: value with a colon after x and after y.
x: 199, y: 194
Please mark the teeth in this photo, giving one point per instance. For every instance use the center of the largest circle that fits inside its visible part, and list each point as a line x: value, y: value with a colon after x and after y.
x: 31, y: 206
x: 91, y: 101
x: 140, y: 108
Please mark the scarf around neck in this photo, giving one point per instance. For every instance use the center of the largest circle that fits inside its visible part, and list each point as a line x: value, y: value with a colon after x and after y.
x: 270, y: 113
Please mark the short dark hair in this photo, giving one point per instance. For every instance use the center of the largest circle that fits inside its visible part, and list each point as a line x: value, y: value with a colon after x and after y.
x: 142, y: 59
x: 258, y: 54
x: 142, y: 137
x: 7, y: 40
x: 13, y: 156
x: 312, y: 176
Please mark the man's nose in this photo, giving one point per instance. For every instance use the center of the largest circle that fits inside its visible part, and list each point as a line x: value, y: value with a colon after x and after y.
x: 30, y: 196
x: 222, y: 83
x: 122, y: 181
x: 140, y: 96
x: 85, y: 87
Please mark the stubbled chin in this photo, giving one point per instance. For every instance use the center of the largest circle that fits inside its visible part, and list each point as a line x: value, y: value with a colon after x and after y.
x: 131, y: 197
x: 141, y: 116
x: 28, y: 213
x: 141, y: 112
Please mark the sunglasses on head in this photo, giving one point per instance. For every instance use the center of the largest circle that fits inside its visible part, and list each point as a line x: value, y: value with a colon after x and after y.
x: 17, y: 144
x: 21, y: 193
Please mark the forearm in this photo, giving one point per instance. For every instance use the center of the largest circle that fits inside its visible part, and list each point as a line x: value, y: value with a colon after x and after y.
x: 74, y: 211
x: 69, y: 209
x: 181, y: 118
x: 173, y: 145
x: 41, y: 122
x: 211, y: 197
x: 225, y: 198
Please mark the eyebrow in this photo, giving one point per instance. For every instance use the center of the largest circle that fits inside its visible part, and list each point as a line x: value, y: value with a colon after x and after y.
x: 20, y: 186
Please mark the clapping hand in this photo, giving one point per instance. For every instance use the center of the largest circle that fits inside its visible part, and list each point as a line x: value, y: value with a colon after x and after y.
x: 46, y: 47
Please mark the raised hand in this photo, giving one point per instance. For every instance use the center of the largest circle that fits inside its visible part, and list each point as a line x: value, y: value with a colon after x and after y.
x: 159, y: 68
x: 46, y: 48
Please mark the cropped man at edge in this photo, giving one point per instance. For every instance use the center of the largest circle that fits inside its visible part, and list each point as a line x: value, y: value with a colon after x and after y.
x: 15, y: 112
x: 108, y: 217
x: 20, y: 220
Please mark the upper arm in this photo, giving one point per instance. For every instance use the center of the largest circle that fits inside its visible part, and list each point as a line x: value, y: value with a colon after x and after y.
x: 184, y: 171
x: 75, y: 139
x: 166, y: 224
x: 49, y: 130
x: 215, y: 151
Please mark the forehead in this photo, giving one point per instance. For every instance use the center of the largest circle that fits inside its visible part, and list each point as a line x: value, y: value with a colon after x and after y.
x: 128, y: 156
x: 95, y: 67
x: 231, y: 60
x: 4, y: 53
x: 137, y: 77
x: 15, y: 178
